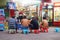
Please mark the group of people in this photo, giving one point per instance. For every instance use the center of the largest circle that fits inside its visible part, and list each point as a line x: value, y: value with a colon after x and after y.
x: 28, y: 23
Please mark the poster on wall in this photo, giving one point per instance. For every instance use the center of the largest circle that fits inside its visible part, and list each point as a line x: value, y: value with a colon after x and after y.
x: 57, y: 14
x: 2, y: 12
x: 11, y: 5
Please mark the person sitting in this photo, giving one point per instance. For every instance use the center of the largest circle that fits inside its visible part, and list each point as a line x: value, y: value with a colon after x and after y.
x: 25, y: 23
x: 44, y: 25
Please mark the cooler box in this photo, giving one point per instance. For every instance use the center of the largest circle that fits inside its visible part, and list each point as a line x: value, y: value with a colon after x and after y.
x: 2, y: 27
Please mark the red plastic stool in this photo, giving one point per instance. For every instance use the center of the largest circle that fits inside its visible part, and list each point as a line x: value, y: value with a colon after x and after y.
x: 45, y: 29
x: 36, y: 31
x: 42, y: 30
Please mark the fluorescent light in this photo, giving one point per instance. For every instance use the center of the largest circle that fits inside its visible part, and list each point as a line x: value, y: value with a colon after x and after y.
x: 27, y: 2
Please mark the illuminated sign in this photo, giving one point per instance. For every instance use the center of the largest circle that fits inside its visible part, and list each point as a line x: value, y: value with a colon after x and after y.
x: 57, y: 4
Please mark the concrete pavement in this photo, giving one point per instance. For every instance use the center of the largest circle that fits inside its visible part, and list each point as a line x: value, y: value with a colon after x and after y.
x: 51, y: 35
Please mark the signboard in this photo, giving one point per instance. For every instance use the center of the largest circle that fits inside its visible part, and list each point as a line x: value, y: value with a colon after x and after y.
x: 48, y: 1
x: 57, y: 4
x: 11, y: 5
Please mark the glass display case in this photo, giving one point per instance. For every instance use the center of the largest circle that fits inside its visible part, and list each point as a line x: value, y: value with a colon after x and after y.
x: 50, y: 11
x: 57, y: 14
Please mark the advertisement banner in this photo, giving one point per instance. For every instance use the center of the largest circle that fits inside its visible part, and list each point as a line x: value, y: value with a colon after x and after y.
x: 2, y: 12
x: 11, y: 5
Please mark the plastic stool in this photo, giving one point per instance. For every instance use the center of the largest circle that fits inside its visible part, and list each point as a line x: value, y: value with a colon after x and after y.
x: 25, y: 31
x: 57, y: 29
x: 36, y: 31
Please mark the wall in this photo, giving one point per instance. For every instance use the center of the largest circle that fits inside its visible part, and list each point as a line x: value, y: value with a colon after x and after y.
x: 3, y: 2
